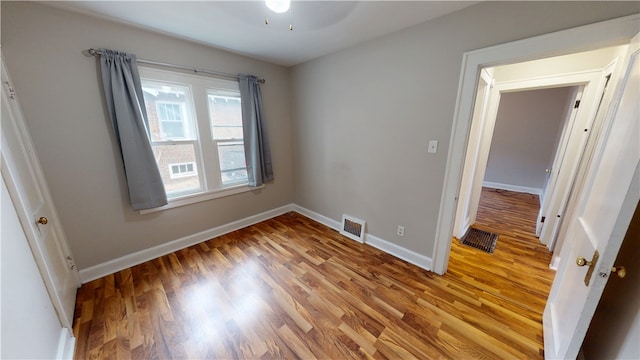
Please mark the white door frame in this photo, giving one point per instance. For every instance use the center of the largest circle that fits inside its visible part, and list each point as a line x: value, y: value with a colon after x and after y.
x: 19, y: 160
x: 560, y: 151
x: 608, y: 199
x: 588, y: 80
x: 584, y: 38
x: 473, y: 172
x: 570, y: 167
x: 593, y: 83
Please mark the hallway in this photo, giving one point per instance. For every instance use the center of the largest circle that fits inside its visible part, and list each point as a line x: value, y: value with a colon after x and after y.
x: 518, y: 271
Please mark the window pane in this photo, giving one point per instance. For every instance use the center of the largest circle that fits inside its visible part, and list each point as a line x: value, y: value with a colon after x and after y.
x: 226, y: 116
x: 174, y: 163
x: 236, y: 176
x: 169, y: 111
x: 172, y: 130
x: 233, y: 167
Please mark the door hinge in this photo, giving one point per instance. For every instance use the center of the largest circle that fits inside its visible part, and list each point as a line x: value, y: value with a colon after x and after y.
x: 12, y: 91
x: 72, y: 264
x: 542, y: 219
x: 577, y: 104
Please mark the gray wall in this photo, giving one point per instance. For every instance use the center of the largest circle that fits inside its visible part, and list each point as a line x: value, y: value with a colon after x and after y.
x: 357, y: 122
x: 527, y: 129
x: 59, y: 91
x: 363, y: 116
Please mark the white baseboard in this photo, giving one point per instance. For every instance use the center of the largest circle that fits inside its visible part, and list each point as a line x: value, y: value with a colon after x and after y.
x: 66, y: 344
x: 459, y: 233
x: 334, y: 224
x: 516, y: 188
x: 400, y: 252
x: 127, y: 261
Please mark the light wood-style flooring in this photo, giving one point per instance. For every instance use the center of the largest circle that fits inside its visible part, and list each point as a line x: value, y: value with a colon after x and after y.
x: 292, y: 288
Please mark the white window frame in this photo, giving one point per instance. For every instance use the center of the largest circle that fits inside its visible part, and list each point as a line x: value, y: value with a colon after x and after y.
x: 207, y: 162
x: 238, y: 141
x: 231, y: 142
x: 182, y: 121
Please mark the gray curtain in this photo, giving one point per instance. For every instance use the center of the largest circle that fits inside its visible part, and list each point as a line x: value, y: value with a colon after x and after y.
x: 256, y: 144
x: 125, y: 102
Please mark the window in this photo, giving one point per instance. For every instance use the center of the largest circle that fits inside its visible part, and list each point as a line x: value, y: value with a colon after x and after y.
x: 196, y: 131
x: 171, y: 119
x: 226, y: 127
x: 182, y: 170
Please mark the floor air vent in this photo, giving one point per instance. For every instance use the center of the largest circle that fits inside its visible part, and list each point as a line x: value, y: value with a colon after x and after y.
x: 353, y: 228
x: 480, y: 239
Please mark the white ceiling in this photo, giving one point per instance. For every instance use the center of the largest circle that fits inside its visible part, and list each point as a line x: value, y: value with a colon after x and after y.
x: 320, y: 27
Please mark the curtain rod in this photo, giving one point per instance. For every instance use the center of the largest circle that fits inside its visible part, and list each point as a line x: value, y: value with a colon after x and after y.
x: 94, y: 52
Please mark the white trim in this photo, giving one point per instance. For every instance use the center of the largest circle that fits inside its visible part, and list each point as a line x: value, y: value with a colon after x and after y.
x: 476, y: 156
x: 66, y: 344
x: 127, y: 261
x: 583, y: 38
x: 400, y: 252
x: 115, y: 265
x: 516, y: 188
x: 592, y: 84
x: 555, y: 263
x: 574, y: 78
x: 390, y: 248
x: 203, y: 196
x: 334, y: 224
x: 23, y: 160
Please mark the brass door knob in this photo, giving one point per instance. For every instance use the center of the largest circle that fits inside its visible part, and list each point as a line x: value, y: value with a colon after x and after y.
x: 581, y: 261
x: 621, y: 271
x: 42, y: 221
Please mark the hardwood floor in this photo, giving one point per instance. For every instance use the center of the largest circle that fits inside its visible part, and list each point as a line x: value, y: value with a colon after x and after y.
x: 292, y: 288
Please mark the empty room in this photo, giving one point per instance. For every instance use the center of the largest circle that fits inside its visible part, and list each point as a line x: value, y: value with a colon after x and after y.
x: 295, y: 179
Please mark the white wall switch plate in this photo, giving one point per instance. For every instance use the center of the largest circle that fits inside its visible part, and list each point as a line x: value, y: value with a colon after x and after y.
x: 433, y: 147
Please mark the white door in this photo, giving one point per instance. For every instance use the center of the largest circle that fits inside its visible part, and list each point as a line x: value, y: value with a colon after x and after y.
x: 608, y: 199
x: 30, y: 326
x: 471, y: 185
x: 578, y: 144
x: 25, y: 183
x: 557, y: 163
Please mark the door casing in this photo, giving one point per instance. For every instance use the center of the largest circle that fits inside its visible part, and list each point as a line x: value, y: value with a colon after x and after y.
x: 30, y: 194
x: 583, y: 38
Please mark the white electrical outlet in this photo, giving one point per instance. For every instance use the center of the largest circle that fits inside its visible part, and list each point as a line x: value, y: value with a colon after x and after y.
x: 400, y: 230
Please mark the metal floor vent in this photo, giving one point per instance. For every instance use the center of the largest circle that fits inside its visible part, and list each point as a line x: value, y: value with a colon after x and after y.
x: 352, y: 228
x: 480, y: 239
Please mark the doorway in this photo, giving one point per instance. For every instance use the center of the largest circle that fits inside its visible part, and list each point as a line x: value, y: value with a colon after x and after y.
x: 562, y: 42
x: 584, y: 38
x: 528, y: 127
x: 528, y: 133
x: 541, y: 115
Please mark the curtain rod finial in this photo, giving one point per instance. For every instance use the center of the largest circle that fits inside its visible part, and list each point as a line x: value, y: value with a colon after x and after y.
x: 91, y: 52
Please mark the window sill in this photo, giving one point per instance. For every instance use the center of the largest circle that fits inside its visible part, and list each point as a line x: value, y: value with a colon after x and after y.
x: 196, y: 198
